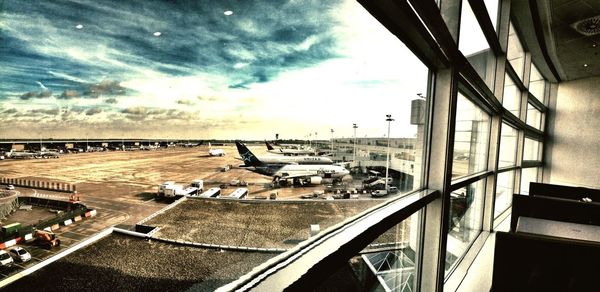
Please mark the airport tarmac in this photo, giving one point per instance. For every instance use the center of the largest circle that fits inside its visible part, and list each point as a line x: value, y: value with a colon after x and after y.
x: 121, y: 186
x: 127, y: 180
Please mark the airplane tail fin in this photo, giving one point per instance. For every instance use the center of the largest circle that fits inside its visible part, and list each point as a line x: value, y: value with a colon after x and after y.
x: 269, y: 147
x: 247, y: 155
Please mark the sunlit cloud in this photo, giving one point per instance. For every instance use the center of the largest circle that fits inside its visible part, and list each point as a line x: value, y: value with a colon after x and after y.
x: 202, y: 70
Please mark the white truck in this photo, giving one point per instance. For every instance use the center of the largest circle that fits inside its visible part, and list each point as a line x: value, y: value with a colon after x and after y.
x: 169, y: 189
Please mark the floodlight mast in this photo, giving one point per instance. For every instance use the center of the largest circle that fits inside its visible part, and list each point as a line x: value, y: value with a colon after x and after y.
x: 388, y: 118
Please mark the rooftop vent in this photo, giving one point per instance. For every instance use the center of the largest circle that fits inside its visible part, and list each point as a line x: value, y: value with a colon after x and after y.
x: 588, y: 27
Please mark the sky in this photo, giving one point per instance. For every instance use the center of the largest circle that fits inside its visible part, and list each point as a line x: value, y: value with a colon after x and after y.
x: 202, y: 69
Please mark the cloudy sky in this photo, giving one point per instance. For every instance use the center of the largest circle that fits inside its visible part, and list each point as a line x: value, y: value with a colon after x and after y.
x: 201, y: 69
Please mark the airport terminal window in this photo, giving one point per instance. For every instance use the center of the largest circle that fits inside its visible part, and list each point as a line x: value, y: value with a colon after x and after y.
x: 528, y: 175
x: 504, y: 191
x: 515, y: 53
x: 534, y: 116
x: 470, y: 138
x: 466, y: 212
x: 392, y: 258
x: 474, y: 46
x: 512, y: 96
x: 536, y: 83
x: 492, y: 9
x: 508, y: 146
x: 531, y: 150
x: 316, y: 75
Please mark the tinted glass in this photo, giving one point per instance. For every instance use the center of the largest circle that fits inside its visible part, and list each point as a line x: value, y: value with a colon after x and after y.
x: 466, y: 212
x: 470, y: 139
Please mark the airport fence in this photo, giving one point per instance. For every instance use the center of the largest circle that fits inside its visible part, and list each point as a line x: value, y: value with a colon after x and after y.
x: 8, y: 204
x: 67, y: 213
x: 42, y: 185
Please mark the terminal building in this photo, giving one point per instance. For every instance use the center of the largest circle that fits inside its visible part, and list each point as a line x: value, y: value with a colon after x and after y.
x: 512, y: 101
x: 503, y: 171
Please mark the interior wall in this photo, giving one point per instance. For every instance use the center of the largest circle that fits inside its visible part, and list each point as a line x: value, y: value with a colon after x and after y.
x: 573, y: 144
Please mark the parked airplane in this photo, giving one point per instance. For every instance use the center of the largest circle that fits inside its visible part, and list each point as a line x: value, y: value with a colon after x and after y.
x: 47, y: 154
x: 282, y: 159
x: 215, y: 152
x: 289, y: 151
x: 302, y: 174
x: 17, y: 155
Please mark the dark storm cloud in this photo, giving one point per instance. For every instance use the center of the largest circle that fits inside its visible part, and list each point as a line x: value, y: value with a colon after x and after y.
x: 69, y: 93
x: 111, y: 100
x: 106, y: 87
x: 36, y: 94
x: 140, y: 110
x: 50, y: 112
x: 93, y: 111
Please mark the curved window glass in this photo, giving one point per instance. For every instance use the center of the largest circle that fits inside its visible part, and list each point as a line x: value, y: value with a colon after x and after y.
x: 534, y: 117
x: 537, y: 84
x: 515, y: 53
x: 508, y: 146
x: 504, y: 192
x: 471, y: 138
x: 466, y: 212
x: 474, y: 46
x: 512, y: 96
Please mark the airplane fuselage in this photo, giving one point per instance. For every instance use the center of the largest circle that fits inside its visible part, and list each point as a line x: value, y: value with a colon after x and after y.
x: 278, y: 159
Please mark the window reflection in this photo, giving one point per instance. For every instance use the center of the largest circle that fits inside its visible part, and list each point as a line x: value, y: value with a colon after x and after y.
x: 528, y: 175
x: 531, y: 151
x: 471, y: 138
x: 534, y: 117
x: 514, y: 52
x: 512, y: 96
x: 504, y: 192
x: 466, y: 213
x: 388, y: 263
x: 508, y: 146
x: 474, y: 46
x: 536, y: 83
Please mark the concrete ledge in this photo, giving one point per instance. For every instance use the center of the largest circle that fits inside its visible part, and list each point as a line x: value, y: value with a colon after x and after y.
x: 175, y: 203
x: 217, y: 246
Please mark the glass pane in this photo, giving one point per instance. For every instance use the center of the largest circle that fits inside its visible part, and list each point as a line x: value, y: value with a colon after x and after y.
x: 508, y: 146
x: 528, y: 175
x: 470, y: 139
x: 514, y: 52
x: 536, y: 83
x: 531, y: 150
x: 512, y: 96
x: 474, y: 46
x: 504, y: 191
x: 392, y: 258
x: 162, y: 73
x: 492, y: 8
x: 466, y: 212
x: 534, y: 117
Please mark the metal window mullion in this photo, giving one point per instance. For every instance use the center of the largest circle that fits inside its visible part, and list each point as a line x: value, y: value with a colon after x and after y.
x: 430, y: 275
x: 485, y: 23
x: 535, y: 102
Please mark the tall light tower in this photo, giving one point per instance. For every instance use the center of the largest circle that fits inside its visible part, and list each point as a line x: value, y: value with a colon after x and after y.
x: 388, y: 118
x: 331, y: 140
x: 354, y: 126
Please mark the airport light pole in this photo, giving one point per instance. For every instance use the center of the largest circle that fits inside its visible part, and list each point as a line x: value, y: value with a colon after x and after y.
x: 332, y: 141
x: 388, y: 118
x: 354, y: 126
